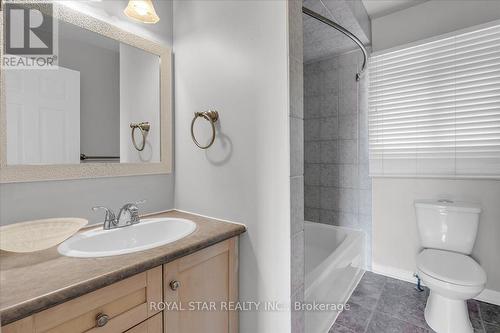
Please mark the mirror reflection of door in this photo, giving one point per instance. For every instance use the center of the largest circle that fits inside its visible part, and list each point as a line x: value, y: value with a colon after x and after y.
x: 43, y: 116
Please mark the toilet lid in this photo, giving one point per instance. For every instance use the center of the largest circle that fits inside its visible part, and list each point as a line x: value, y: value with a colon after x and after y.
x: 451, y: 267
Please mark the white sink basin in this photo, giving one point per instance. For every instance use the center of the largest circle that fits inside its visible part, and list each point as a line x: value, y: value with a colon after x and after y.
x: 147, y: 234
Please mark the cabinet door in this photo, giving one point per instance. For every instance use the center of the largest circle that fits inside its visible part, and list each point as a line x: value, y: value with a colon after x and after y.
x: 200, y: 285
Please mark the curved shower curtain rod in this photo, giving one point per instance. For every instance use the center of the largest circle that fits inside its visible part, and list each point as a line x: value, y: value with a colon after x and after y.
x: 343, y: 30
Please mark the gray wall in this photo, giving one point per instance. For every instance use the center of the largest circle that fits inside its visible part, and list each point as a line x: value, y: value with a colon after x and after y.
x: 36, y: 200
x: 24, y: 201
x: 337, y: 187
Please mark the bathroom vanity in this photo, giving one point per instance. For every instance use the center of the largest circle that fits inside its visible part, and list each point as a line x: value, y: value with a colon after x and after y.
x: 164, y: 289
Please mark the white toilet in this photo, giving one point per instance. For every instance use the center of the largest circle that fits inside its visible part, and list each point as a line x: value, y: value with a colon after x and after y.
x: 447, y: 233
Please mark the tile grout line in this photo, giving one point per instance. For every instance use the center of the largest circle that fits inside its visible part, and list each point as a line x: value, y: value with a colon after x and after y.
x: 375, y: 307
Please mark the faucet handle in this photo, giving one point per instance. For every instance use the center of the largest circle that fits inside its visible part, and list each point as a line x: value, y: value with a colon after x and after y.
x: 130, y: 211
x: 110, y: 216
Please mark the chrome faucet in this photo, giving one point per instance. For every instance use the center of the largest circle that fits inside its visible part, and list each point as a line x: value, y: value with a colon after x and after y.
x: 128, y: 215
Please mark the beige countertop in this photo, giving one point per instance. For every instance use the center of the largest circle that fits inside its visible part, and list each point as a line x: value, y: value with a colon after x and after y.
x: 32, y: 282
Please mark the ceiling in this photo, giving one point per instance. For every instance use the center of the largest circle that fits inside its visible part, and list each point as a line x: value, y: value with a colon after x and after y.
x: 378, y: 8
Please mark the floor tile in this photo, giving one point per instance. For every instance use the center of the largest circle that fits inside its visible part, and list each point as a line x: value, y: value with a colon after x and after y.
x: 475, y: 318
x: 356, y: 318
x: 398, y: 287
x: 374, y: 279
x: 368, y: 291
x: 409, y: 307
x: 384, y: 305
x: 360, y: 297
x: 490, y: 313
x: 491, y: 328
x: 336, y: 328
x: 386, y: 324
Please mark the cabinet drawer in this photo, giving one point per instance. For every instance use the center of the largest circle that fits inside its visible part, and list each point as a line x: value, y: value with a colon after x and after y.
x: 124, y: 303
x: 152, y: 325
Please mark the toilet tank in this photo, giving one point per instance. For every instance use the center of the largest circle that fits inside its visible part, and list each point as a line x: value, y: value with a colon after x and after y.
x: 447, y: 225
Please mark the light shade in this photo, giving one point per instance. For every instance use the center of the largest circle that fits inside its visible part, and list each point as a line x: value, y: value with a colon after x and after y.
x: 142, y: 11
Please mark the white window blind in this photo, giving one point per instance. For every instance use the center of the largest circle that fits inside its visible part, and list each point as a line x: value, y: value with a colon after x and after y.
x: 434, y: 108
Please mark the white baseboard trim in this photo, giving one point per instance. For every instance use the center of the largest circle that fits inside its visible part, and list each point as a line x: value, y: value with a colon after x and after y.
x: 487, y: 295
x: 393, y: 272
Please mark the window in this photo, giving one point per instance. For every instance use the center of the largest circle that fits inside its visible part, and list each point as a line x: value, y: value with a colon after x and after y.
x: 434, y: 107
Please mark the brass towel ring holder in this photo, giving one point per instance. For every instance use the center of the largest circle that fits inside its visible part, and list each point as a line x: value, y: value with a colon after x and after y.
x: 144, y: 128
x: 212, y: 116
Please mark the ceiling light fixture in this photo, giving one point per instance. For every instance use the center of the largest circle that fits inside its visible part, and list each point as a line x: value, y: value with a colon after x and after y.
x: 142, y: 11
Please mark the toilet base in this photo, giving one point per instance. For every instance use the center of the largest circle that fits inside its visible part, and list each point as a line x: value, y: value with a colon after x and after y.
x: 445, y: 315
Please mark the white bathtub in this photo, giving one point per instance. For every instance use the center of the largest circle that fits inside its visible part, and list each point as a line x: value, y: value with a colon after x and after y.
x: 334, y: 262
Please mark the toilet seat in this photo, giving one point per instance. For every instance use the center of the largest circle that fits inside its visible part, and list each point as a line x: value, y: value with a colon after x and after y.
x: 451, y: 267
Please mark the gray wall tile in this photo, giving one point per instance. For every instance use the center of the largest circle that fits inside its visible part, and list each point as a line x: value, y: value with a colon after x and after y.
x: 297, y: 204
x: 329, y: 105
x: 297, y: 260
x: 338, y: 188
x: 348, y: 151
x: 296, y: 146
x: 312, y: 196
x: 312, y: 173
x: 312, y: 152
x: 348, y: 126
x: 329, y: 175
x: 329, y: 198
x: 296, y: 89
x: 329, y: 128
x: 297, y: 157
x: 365, y: 181
x: 349, y: 220
x: 348, y: 200
x: 329, y: 152
x: 312, y: 129
x: 298, y: 317
x: 329, y: 217
x: 295, y: 29
x: 312, y: 106
x: 349, y: 177
x: 365, y: 202
x: 311, y: 214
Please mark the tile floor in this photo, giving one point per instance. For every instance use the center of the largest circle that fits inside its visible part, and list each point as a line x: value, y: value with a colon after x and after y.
x: 383, y: 305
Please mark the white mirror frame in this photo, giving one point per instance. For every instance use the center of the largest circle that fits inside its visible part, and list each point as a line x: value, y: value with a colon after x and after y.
x: 28, y: 173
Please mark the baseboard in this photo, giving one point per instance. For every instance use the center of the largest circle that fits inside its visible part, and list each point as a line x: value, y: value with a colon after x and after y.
x: 488, y: 295
x: 393, y: 272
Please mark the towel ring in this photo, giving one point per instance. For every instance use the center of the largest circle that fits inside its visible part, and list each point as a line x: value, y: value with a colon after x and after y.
x: 144, y: 128
x: 212, y: 116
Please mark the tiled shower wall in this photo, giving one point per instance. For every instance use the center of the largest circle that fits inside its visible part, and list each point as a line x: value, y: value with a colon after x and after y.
x: 296, y: 95
x: 337, y: 188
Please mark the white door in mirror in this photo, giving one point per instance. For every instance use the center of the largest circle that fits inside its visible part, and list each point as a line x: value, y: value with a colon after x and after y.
x: 147, y: 234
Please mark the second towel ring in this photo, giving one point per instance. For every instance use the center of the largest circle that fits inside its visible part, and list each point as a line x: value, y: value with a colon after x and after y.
x: 144, y: 128
x: 212, y: 116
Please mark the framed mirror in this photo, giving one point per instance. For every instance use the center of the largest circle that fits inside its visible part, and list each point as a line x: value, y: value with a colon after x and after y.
x: 104, y: 110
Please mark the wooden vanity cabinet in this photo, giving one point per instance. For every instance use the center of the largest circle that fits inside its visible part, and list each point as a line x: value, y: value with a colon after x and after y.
x: 209, y: 275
